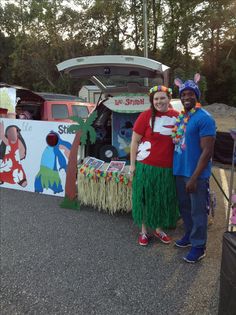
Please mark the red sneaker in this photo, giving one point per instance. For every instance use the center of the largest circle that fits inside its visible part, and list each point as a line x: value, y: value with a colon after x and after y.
x: 163, y: 237
x: 143, y: 239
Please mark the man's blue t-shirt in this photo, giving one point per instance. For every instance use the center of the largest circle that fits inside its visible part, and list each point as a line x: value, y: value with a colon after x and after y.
x: 188, y: 151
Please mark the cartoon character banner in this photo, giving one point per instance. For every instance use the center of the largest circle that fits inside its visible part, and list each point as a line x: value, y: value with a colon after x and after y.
x: 122, y: 126
x: 34, y: 155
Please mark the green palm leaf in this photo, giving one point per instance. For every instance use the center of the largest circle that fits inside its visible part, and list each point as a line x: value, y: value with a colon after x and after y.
x: 74, y: 128
x: 83, y: 138
x: 92, y: 134
x: 81, y: 122
x: 85, y: 127
x: 79, y: 126
x: 91, y: 118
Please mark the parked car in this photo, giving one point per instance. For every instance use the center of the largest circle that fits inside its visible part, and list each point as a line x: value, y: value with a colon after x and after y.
x: 124, y: 88
x: 49, y: 106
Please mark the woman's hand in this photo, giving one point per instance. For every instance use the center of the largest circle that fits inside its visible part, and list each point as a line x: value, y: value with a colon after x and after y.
x: 131, y: 171
x: 133, y: 152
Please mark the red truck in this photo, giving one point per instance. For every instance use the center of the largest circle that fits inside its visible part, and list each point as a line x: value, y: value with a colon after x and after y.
x: 49, y: 106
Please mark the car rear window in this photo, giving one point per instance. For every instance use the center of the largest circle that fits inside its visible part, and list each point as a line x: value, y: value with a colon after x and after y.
x: 80, y: 111
x: 60, y: 111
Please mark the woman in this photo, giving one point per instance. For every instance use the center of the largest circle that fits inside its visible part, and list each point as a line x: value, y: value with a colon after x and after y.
x: 154, y: 202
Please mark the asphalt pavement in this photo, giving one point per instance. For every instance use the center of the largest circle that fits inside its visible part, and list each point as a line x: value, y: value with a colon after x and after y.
x: 60, y: 261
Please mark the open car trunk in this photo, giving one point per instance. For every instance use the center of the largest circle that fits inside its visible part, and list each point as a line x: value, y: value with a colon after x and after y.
x: 124, y: 82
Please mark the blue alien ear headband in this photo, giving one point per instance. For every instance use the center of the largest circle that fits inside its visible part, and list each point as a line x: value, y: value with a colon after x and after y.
x: 189, y: 85
x: 160, y: 88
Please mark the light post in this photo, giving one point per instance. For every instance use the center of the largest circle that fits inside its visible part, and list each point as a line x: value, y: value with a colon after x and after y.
x: 145, y: 33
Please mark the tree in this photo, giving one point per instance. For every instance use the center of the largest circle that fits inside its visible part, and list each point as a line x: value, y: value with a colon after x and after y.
x: 217, y: 36
x: 82, y: 129
x: 107, y: 26
x: 179, y: 34
x: 36, y: 35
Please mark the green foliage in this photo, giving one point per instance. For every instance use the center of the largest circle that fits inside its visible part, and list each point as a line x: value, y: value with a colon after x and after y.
x: 6, y: 101
x: 36, y: 35
x: 217, y: 35
x: 85, y: 127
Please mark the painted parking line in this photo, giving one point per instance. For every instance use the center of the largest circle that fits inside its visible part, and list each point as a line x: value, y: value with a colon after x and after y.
x: 225, y: 187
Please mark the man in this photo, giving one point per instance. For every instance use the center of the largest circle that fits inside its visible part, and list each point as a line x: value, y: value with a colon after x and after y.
x: 194, y: 138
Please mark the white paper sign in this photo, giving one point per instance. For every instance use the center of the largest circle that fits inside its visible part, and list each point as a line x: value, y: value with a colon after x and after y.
x: 128, y: 103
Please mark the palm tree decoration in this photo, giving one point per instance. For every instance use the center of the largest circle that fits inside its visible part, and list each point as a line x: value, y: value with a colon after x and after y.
x: 82, y: 129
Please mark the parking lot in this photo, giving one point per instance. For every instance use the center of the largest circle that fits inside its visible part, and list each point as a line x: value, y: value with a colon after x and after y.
x: 60, y: 261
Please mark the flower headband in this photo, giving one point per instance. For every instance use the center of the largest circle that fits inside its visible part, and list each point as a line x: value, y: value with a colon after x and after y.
x: 160, y: 88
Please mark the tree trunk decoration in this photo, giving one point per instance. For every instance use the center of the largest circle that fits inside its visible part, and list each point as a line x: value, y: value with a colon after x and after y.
x: 82, y: 129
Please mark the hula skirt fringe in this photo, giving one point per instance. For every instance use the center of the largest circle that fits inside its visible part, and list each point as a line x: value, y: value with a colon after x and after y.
x: 47, y: 179
x: 154, y: 200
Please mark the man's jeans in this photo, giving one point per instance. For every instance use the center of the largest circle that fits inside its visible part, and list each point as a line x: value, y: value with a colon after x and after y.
x: 193, y: 209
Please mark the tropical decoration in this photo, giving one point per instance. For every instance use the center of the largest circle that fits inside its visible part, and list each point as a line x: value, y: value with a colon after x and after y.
x: 160, y: 88
x: 82, y: 129
x: 95, y: 175
x: 52, y: 161
x: 108, y: 191
x: 182, y: 120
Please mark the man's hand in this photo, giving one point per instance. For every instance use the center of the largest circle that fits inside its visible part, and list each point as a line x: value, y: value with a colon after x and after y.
x: 207, y: 146
x: 191, y: 186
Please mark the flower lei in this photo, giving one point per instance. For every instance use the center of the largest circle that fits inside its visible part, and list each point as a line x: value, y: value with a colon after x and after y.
x: 91, y: 173
x: 181, y: 123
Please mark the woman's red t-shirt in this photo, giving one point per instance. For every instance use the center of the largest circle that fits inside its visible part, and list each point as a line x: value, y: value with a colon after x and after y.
x: 156, y: 148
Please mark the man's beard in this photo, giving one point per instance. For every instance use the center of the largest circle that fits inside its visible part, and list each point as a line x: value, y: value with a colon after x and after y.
x: 189, y: 104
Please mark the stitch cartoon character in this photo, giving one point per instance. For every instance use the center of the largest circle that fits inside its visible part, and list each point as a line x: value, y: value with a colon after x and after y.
x: 12, y: 151
x: 52, y: 161
x: 124, y: 137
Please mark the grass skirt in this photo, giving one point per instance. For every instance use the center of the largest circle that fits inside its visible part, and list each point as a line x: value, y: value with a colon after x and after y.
x: 154, y: 200
x: 48, y: 179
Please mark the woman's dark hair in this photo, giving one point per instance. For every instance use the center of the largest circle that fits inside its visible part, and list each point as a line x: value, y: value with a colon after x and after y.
x: 19, y: 136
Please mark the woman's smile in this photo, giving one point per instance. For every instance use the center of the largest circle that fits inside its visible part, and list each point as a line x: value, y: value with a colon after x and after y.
x: 161, y: 101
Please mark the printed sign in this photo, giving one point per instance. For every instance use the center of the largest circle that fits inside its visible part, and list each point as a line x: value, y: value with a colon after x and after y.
x: 34, y: 155
x: 128, y: 103
x: 115, y: 166
x: 94, y: 163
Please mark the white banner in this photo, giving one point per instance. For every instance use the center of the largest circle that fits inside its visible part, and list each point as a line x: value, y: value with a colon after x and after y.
x: 34, y: 155
x: 128, y: 103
